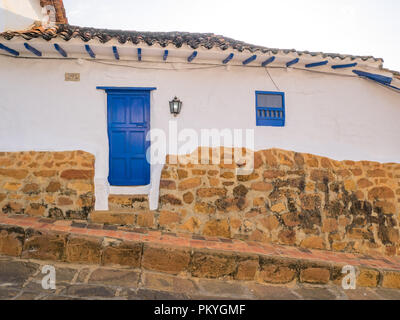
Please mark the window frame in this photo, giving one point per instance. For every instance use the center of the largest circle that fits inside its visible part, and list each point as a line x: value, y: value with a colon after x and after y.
x: 269, y: 122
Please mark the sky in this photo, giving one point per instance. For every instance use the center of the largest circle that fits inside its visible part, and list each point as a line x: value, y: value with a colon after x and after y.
x: 358, y: 27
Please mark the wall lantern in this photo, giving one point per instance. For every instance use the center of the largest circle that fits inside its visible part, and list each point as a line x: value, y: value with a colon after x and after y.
x: 175, y: 106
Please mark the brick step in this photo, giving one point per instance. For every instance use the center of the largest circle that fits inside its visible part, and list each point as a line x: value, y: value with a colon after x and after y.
x: 128, y: 203
x: 191, y: 255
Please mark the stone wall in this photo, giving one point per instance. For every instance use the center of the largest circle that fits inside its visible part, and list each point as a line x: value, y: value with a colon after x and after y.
x: 290, y: 198
x: 50, y: 184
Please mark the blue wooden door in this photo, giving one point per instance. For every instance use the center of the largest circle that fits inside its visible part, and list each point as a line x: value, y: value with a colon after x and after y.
x: 128, y: 124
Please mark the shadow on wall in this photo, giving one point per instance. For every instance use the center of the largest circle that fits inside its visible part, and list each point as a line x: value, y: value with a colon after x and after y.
x: 18, y: 15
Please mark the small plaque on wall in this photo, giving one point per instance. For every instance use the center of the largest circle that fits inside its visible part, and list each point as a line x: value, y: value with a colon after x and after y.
x: 72, y: 76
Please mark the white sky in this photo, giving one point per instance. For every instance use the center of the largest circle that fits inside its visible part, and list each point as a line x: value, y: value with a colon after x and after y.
x: 359, y: 27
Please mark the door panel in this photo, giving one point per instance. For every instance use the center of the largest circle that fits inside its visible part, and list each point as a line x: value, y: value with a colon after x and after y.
x: 118, y: 145
x: 137, y: 111
x: 119, y: 168
x: 128, y: 124
x: 118, y: 110
x: 137, y: 139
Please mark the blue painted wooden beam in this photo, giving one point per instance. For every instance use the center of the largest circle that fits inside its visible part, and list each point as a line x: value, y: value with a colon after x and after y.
x: 292, y: 62
x: 9, y: 50
x: 90, y: 51
x: 268, y: 61
x: 373, y: 76
x: 247, y: 61
x: 115, y: 51
x: 165, y: 57
x: 228, y: 58
x: 342, y: 66
x: 60, y: 50
x: 110, y: 89
x: 32, y: 49
x: 192, y: 56
x: 139, y: 54
x: 316, y: 64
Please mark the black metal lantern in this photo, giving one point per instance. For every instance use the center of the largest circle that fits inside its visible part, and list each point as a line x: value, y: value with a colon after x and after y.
x: 175, y: 106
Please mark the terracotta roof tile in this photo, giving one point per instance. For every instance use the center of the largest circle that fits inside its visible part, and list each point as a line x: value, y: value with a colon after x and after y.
x: 178, y: 39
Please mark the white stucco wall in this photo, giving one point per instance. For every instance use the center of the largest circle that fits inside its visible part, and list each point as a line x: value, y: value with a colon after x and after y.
x: 19, y: 14
x: 330, y: 115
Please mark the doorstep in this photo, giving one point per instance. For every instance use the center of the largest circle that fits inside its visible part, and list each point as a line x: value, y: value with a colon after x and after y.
x: 193, y: 255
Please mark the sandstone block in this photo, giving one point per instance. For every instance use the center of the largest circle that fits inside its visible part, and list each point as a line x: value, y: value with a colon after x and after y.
x: 211, y: 192
x: 205, y: 208
x: 12, y: 186
x: 287, y: 237
x: 73, y: 174
x: 380, y: 193
x: 45, y: 246
x: 168, y: 218
x: 270, y: 222
x: 315, y: 275
x: 11, y: 240
x: 188, y: 197
x: 170, y: 199
x: 217, y: 228
x: 146, y: 219
x: 368, y: 278
x: 261, y: 186
x: 278, y: 208
x: 123, y: 254
x: 45, y: 173
x: 167, y: 184
x: 84, y: 250
x: 112, y: 218
x: 391, y: 280
x: 276, y: 273
x: 192, y: 225
x: 211, y: 265
x: 189, y: 183
x: 165, y: 259
x: 14, y: 173
x: 53, y: 187
x: 313, y: 243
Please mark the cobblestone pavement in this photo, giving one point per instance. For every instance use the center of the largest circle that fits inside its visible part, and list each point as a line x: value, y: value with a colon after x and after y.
x: 21, y: 280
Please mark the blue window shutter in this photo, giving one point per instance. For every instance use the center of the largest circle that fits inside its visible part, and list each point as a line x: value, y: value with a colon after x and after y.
x: 270, y: 108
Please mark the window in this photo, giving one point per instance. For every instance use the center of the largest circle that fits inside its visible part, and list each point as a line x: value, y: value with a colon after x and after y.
x: 270, y: 108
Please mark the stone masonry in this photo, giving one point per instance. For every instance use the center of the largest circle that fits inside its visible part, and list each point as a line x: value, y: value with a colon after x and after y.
x: 49, y: 184
x: 191, y: 256
x: 291, y: 198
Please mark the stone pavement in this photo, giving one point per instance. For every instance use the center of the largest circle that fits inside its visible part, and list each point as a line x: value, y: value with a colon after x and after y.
x: 21, y: 280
